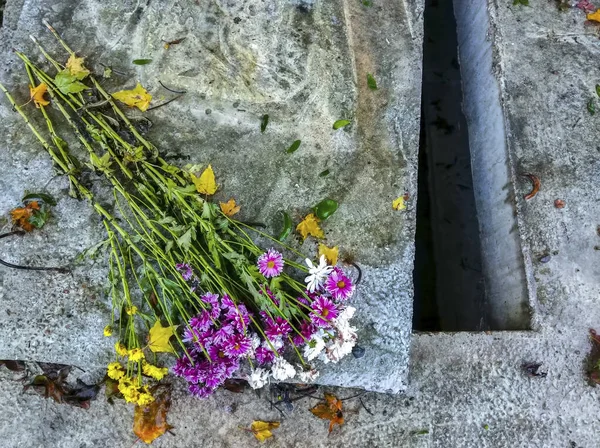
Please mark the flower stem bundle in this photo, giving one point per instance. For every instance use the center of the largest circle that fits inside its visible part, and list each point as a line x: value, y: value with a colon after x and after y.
x: 178, y: 265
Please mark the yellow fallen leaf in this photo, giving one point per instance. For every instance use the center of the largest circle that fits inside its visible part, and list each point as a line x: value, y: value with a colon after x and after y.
x: 37, y: 95
x: 158, y: 339
x: 310, y: 226
x: 262, y: 430
x: 205, y: 184
x: 399, y: 204
x: 595, y: 16
x: 331, y: 253
x: 76, y: 68
x: 137, y: 97
x: 229, y: 208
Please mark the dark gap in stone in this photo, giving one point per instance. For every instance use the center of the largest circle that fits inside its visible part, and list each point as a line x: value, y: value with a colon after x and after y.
x: 448, y: 279
x: 2, y: 6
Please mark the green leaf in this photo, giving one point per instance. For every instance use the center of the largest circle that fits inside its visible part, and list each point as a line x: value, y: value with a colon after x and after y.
x: 325, y: 209
x: 341, y: 123
x: 44, y: 197
x: 371, y: 82
x: 67, y: 83
x: 367, y: 3
x: 591, y: 106
x: 294, y: 147
x: 168, y: 246
x: 422, y: 432
x: 169, y: 284
x: 521, y: 2
x: 142, y: 61
x: 107, y: 72
x: 324, y: 173
x: 185, y: 240
x: 264, y: 122
x: 287, y: 227
x: 40, y: 217
x: 598, y: 89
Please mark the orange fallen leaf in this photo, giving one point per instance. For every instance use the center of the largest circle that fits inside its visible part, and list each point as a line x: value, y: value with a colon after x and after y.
x: 37, y: 95
x: 262, y: 430
x: 229, y: 208
x: 595, y: 16
x: 310, y: 226
x: 330, y: 410
x: 331, y: 253
x: 21, y: 215
x: 150, y: 422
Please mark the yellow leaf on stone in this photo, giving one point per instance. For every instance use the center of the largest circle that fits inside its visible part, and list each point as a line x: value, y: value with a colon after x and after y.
x: 399, y: 204
x: 76, y: 68
x: 206, y: 183
x: 262, y: 430
x: 37, y: 95
x: 330, y: 253
x: 158, y: 339
x: 137, y: 97
x: 229, y: 208
x: 595, y: 16
x: 310, y: 226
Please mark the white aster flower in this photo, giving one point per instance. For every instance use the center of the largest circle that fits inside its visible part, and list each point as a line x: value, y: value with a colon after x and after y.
x: 258, y: 378
x: 308, y: 376
x: 282, y: 370
x: 313, y: 347
x: 255, y: 341
x: 318, y: 273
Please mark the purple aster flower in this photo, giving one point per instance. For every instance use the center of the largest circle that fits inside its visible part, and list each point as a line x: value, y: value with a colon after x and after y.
x: 279, y: 327
x: 185, y: 270
x: 307, y: 329
x: 274, y: 299
x: 324, y: 311
x: 213, y: 301
x: 237, y: 345
x: 201, y: 322
x: 226, y: 302
x: 216, y: 353
x: 200, y: 391
x: 223, y: 333
x: 266, y: 318
x: 231, y: 366
x: 239, y: 317
x: 270, y: 264
x: 215, y: 375
x: 339, y: 286
x: 181, y: 365
x: 264, y: 355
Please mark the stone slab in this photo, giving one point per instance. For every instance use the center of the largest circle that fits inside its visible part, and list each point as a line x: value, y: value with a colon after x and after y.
x: 304, y: 63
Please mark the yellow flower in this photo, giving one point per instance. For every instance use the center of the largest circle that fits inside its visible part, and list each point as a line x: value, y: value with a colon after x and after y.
x: 136, y: 354
x: 115, y: 370
x: 131, y: 310
x: 108, y: 331
x: 144, y: 399
x: 157, y: 373
x: 129, y: 390
x: 120, y: 349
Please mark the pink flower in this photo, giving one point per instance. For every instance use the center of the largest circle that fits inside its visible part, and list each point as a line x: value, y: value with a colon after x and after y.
x: 186, y: 270
x: 264, y: 355
x: 324, y: 311
x: 339, y: 286
x: 276, y: 328
x: 270, y: 264
x: 585, y: 6
x: 307, y: 330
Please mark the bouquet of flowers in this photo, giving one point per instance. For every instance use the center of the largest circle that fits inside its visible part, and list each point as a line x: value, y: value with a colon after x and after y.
x: 180, y: 267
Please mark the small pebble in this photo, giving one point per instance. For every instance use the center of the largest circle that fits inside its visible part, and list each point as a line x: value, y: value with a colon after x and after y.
x: 208, y: 111
x: 545, y: 259
x: 236, y: 104
x: 559, y: 203
x: 358, y: 351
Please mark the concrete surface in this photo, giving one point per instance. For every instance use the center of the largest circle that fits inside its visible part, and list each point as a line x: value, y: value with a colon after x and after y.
x: 305, y: 64
x: 465, y: 389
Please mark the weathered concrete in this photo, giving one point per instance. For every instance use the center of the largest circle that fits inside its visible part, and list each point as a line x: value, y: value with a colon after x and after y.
x: 302, y: 62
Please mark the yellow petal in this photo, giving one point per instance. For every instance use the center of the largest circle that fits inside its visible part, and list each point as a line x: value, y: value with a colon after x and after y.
x: 205, y: 184
x: 158, y: 339
x: 399, y: 204
x: 137, y: 97
x: 331, y: 253
x: 229, y: 208
x: 595, y: 16
x: 310, y: 226
x: 262, y: 430
x: 76, y: 68
x: 37, y: 95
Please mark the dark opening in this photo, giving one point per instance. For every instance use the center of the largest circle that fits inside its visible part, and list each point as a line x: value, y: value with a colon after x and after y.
x: 448, y: 278
x: 2, y: 5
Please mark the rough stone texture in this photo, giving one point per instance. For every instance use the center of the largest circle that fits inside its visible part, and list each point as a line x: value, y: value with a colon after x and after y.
x: 304, y: 63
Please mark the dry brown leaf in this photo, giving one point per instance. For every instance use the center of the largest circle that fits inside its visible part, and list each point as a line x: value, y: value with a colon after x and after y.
x: 150, y: 422
x: 21, y: 215
x: 330, y: 410
x: 229, y: 208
